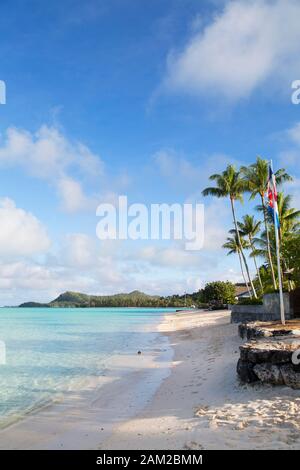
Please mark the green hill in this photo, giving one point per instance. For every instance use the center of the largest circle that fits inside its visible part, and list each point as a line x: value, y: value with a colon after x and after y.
x: 72, y: 298
x: 131, y: 299
x: 77, y: 299
x: 33, y: 304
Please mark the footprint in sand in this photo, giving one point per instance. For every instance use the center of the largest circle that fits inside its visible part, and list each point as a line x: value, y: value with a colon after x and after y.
x: 193, y: 446
x: 279, y: 417
x: 201, y: 410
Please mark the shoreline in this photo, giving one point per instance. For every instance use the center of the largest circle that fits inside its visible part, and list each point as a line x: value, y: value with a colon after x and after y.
x: 202, y: 405
x: 81, y: 418
x: 183, y: 397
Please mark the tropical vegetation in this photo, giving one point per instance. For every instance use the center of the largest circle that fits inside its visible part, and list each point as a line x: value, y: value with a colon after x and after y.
x: 256, y: 235
x: 219, y: 293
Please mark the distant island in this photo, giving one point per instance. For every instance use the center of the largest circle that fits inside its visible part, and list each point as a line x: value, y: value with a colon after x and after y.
x: 132, y: 299
x: 218, y: 291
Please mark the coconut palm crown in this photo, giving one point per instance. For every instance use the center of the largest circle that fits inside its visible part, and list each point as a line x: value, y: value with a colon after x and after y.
x: 256, y: 180
x: 230, y: 184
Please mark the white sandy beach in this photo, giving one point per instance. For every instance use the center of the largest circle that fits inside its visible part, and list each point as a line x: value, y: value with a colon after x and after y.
x: 198, y: 405
x: 201, y: 405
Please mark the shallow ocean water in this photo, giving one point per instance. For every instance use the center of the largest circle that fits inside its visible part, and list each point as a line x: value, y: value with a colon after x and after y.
x: 51, y: 351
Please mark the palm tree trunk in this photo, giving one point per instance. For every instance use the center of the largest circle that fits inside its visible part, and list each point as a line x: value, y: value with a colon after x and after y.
x: 284, y: 264
x: 241, y: 248
x: 248, y: 273
x: 255, y: 263
x: 268, y: 243
x: 286, y: 268
x: 243, y: 274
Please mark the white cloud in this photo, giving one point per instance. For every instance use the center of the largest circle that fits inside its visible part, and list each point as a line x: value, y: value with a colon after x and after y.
x: 294, y: 134
x: 172, y: 256
x: 72, y: 196
x: 81, y: 262
x: 80, y: 251
x: 21, y: 234
x: 291, y: 155
x: 249, y: 43
x: 49, y: 155
x: 176, y: 168
x: 289, y: 159
x: 90, y: 163
x: 293, y: 188
x: 85, y: 265
x: 218, y: 220
x: 180, y: 172
x: 25, y: 281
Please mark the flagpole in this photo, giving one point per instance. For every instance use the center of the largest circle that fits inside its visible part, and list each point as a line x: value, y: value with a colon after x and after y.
x: 275, y: 212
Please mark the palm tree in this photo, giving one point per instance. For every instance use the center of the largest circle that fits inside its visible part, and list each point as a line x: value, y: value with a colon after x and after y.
x: 233, y: 245
x: 250, y: 228
x: 256, y: 178
x: 288, y: 216
x: 289, y: 222
x: 230, y: 184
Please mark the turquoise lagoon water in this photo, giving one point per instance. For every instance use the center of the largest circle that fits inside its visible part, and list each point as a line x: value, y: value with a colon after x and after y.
x: 50, y: 352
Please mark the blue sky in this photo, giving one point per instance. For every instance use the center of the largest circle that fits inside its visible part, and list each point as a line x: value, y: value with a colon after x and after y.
x: 139, y: 98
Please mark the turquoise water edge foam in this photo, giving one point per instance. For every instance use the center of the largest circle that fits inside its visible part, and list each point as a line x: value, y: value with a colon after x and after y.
x: 53, y: 351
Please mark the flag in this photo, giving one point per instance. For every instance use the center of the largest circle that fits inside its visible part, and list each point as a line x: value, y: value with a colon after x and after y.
x: 273, y: 207
x: 272, y: 198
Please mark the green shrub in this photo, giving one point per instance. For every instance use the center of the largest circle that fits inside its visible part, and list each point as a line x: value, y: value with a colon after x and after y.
x: 219, y: 292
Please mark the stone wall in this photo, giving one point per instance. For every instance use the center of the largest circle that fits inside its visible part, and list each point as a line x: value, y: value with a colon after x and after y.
x: 269, y: 311
x: 271, y: 360
x: 255, y: 330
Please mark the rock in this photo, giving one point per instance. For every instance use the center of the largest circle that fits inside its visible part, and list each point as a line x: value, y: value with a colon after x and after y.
x: 242, y: 328
x: 249, y: 352
x: 245, y: 371
x: 253, y: 330
x: 259, y: 329
x: 281, y: 356
x: 291, y: 377
x: 258, y: 355
x: 271, y: 360
x: 272, y: 350
x: 269, y: 373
